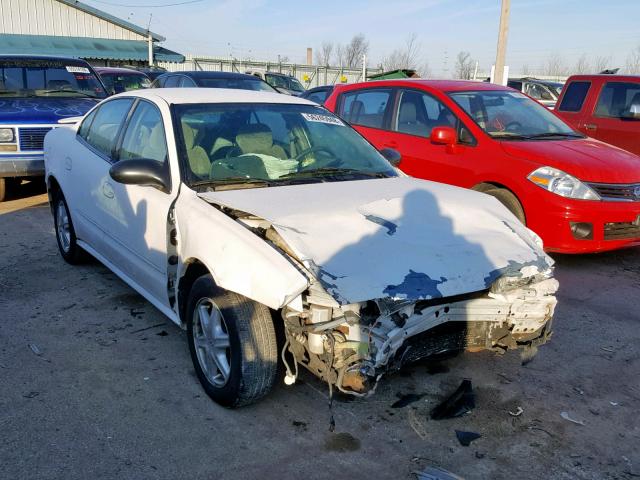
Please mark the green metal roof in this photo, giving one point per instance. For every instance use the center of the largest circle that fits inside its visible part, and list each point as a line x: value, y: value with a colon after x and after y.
x: 81, y: 47
x: 110, y: 18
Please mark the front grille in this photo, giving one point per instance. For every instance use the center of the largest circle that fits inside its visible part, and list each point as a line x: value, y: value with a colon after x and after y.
x: 620, y: 192
x: 622, y: 230
x: 32, y: 138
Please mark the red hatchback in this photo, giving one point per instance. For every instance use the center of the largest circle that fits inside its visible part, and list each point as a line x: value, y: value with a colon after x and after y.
x: 577, y: 193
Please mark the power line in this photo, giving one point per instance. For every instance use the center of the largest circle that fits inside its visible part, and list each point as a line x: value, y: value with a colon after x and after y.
x: 147, y: 6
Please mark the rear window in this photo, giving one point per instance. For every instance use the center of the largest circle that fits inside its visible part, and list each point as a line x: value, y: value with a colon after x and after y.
x: 365, y: 107
x: 574, y: 96
x: 616, y: 98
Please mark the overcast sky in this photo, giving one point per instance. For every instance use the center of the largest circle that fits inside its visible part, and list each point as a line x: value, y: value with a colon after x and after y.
x: 262, y: 29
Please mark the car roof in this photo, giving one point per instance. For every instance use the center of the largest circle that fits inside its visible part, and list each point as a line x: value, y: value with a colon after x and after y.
x: 118, y: 70
x: 178, y: 96
x: 606, y: 76
x: 44, y: 58
x: 207, y: 74
x: 444, y: 85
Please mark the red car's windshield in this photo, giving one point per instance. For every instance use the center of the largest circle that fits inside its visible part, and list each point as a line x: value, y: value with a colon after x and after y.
x: 510, y: 115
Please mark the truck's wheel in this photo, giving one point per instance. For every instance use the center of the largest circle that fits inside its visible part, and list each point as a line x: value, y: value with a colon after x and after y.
x: 510, y: 201
x: 65, y: 233
x: 232, y: 341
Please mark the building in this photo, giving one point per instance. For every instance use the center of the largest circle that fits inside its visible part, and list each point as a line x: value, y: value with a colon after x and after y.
x: 73, y: 29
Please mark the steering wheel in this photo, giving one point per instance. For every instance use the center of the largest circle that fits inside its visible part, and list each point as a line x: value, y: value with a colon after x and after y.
x: 298, y: 158
x: 512, y: 126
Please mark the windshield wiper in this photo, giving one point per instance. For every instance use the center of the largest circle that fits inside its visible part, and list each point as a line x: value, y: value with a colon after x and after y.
x: 554, y: 135
x: 68, y: 91
x: 331, y: 171
x: 233, y: 181
x: 4, y: 92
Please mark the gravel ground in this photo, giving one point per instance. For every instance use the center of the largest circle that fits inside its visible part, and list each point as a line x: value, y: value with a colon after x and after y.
x: 96, y: 383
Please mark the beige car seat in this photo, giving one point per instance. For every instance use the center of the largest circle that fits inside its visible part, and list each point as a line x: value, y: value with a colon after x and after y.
x: 257, y: 138
x: 196, y: 155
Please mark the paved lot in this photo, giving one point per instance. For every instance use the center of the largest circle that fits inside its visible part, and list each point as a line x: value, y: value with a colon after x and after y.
x: 95, y: 383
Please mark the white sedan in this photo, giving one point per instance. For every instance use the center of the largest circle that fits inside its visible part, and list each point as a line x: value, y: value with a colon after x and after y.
x: 239, y: 214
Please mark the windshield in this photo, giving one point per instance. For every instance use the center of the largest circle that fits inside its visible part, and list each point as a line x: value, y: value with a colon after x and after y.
x: 511, y: 115
x: 236, y: 83
x: 227, y: 145
x: 124, y: 82
x: 282, y: 81
x: 44, y: 78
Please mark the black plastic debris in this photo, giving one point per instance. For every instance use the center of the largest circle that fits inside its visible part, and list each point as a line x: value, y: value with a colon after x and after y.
x: 465, y: 438
x: 436, y: 473
x: 162, y: 333
x: 460, y: 402
x: 404, y: 400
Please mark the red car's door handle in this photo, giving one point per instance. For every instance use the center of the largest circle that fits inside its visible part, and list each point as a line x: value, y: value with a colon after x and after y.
x: 590, y: 126
x: 391, y: 145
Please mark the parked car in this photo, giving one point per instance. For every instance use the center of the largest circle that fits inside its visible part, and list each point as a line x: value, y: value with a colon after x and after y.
x: 233, y: 210
x: 283, y: 83
x: 578, y: 194
x: 152, y: 72
x: 318, y: 94
x: 606, y: 107
x: 544, y: 91
x: 211, y: 80
x: 36, y: 92
x: 118, y: 80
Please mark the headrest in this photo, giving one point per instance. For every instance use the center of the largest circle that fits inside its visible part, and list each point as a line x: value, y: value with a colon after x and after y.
x: 255, y: 138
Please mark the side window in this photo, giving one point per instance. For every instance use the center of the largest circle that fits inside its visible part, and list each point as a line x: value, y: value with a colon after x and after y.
x: 171, y: 81
x: 186, y: 82
x: 318, y: 97
x: 106, y: 124
x: 616, y: 98
x: 144, y: 136
x: 366, y: 107
x: 538, y: 92
x: 514, y: 84
x: 419, y: 112
x: 574, y: 96
x: 86, y: 123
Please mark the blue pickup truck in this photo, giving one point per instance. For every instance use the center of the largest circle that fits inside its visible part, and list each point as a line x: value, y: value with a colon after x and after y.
x: 36, y: 92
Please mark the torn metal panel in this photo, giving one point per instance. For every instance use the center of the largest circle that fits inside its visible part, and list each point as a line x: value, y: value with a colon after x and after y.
x: 238, y: 260
x: 397, y: 237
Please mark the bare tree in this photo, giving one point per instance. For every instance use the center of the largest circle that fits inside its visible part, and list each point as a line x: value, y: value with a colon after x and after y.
x: 464, y: 66
x: 424, y: 71
x: 323, y: 55
x: 354, y: 50
x: 601, y: 63
x: 555, y: 66
x: 406, y: 57
x: 633, y: 61
x: 283, y: 58
x: 526, y: 70
x: 582, y: 65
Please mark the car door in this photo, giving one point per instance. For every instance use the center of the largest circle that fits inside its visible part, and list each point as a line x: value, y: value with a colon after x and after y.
x: 610, y: 121
x: 368, y: 110
x: 137, y: 220
x: 415, y: 115
x: 87, y: 166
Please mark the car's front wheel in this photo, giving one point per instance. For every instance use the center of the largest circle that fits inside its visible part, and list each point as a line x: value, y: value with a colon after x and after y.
x: 232, y: 341
x: 65, y: 233
x: 510, y: 201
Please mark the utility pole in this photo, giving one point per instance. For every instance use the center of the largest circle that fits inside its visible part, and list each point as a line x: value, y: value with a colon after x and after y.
x: 498, y: 75
x: 364, y: 68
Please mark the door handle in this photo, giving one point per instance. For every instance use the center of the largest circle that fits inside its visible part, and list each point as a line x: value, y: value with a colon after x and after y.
x: 591, y: 127
x: 391, y: 145
x: 107, y: 190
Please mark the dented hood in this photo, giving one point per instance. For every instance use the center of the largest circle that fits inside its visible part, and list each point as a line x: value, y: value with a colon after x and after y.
x: 399, y: 237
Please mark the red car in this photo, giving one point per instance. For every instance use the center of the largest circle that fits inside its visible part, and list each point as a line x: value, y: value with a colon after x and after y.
x: 606, y: 107
x: 577, y: 193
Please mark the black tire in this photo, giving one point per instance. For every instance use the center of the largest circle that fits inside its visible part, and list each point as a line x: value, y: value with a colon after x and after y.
x: 510, y: 201
x: 67, y: 241
x: 252, y: 352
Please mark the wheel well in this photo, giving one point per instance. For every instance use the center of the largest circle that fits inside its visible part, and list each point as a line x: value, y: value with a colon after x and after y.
x: 53, y: 187
x: 195, y: 270
x: 486, y: 186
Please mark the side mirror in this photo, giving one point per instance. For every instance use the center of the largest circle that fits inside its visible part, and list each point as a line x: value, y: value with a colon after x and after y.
x: 443, y: 136
x: 392, y: 156
x: 143, y: 172
x: 633, y: 112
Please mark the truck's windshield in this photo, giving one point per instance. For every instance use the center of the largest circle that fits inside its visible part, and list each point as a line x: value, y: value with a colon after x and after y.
x: 47, y: 78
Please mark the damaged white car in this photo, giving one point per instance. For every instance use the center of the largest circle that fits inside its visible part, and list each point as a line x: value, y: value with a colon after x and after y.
x: 242, y: 214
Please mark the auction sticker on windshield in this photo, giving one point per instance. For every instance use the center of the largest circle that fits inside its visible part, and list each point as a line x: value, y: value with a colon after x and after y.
x: 314, y: 117
x: 75, y: 69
